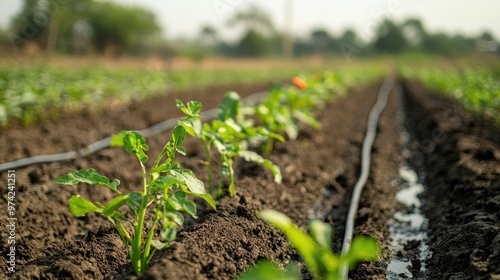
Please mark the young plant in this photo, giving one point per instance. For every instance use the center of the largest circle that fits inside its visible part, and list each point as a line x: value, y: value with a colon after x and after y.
x: 164, y: 197
x: 230, y: 134
x: 285, y: 109
x: 315, y: 249
x: 276, y: 117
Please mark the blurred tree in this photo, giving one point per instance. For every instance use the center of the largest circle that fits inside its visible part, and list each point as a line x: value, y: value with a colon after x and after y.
x: 62, y: 18
x: 253, y: 43
x: 486, y: 42
x: 349, y: 44
x: 414, y: 32
x: 253, y: 18
x: 258, y: 30
x: 486, y: 36
x: 439, y: 43
x: 45, y: 21
x: 69, y: 25
x: 118, y: 28
x: 22, y: 26
x: 462, y: 44
x: 209, y: 37
x: 350, y: 37
x: 320, y: 39
x: 390, y: 38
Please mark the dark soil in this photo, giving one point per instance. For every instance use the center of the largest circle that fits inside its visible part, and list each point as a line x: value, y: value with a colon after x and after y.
x: 460, y: 157
x: 319, y: 170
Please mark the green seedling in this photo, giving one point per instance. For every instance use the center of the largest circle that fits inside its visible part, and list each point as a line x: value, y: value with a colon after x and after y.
x: 315, y: 249
x: 276, y: 117
x: 230, y: 134
x: 285, y: 109
x: 163, y: 198
x: 477, y: 88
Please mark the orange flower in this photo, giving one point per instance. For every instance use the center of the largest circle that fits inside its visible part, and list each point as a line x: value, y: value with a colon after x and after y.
x: 298, y: 82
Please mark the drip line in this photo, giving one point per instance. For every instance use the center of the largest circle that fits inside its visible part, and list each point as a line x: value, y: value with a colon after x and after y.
x: 371, y: 133
x: 105, y: 143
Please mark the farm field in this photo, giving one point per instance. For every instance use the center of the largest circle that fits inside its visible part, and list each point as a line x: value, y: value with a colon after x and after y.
x: 455, y: 153
x: 43, y: 91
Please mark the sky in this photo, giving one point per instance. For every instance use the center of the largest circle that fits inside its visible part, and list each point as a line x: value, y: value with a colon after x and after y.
x: 184, y: 18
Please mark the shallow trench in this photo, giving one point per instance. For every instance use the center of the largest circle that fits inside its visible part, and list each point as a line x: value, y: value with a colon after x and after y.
x: 458, y: 157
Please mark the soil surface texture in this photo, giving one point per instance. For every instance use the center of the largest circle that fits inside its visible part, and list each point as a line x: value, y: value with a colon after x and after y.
x: 458, y: 155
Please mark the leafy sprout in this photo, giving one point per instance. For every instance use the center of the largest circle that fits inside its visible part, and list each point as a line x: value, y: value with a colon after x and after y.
x: 164, y: 196
x: 229, y: 134
x: 315, y: 250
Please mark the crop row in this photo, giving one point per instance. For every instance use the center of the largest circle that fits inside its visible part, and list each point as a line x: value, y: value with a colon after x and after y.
x: 32, y: 93
x: 237, y: 131
x: 478, y: 89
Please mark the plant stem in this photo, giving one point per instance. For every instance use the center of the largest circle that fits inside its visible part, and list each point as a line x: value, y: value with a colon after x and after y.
x: 139, y: 225
x: 137, y: 241
x: 268, y: 146
x: 209, y: 167
x: 232, y: 188
x: 123, y: 232
x: 147, y: 246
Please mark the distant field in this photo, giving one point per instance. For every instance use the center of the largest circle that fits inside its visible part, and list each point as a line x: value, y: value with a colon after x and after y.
x: 477, y: 88
x: 40, y: 88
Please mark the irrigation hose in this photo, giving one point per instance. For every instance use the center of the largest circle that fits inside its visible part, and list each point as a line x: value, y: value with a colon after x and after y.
x: 105, y: 143
x: 371, y: 132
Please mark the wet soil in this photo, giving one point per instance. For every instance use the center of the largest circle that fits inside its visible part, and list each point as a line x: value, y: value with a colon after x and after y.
x: 319, y: 170
x: 459, y: 156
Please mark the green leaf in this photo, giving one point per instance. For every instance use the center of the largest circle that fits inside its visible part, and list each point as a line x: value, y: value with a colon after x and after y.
x: 89, y: 176
x: 207, y: 197
x: 321, y: 233
x: 221, y: 148
x: 175, y: 217
x: 254, y: 157
x: 266, y: 270
x: 79, y: 206
x: 229, y: 106
x: 292, y: 130
x: 306, y: 119
x: 193, y: 126
x: 193, y: 107
x: 166, y: 183
x: 156, y: 171
x: 264, y: 132
x: 186, y: 205
x: 169, y: 232
x: 182, y: 203
x: 114, y: 204
x: 159, y: 245
x: 300, y: 241
x: 178, y: 136
x: 362, y: 249
x: 116, y: 140
x: 135, y: 201
x: 181, y: 150
x: 134, y: 143
x: 231, y: 126
x: 189, y: 207
x: 225, y: 167
x: 182, y: 107
x: 187, y: 176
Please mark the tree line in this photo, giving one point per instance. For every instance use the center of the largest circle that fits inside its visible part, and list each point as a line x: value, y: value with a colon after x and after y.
x: 111, y: 29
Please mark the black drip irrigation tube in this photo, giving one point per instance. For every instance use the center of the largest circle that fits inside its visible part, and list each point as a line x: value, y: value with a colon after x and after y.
x: 105, y: 143
x: 371, y: 132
